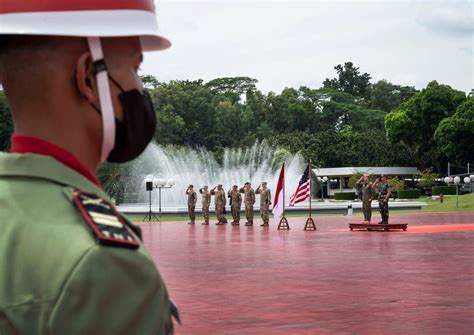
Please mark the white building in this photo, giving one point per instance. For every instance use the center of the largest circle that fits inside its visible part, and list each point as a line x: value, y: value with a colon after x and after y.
x: 338, y: 178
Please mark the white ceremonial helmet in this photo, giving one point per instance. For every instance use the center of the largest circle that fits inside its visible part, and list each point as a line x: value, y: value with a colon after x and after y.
x: 91, y: 19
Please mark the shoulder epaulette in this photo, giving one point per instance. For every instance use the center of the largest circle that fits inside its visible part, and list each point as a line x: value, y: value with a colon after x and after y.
x: 107, y: 225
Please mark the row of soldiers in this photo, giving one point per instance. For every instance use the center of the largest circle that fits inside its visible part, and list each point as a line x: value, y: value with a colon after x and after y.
x: 235, y: 196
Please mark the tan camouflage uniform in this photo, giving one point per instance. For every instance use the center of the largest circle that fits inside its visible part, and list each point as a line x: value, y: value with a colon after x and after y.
x: 236, y: 203
x: 206, y: 202
x: 220, y: 201
x: 192, y: 199
x: 265, y: 202
x: 249, y: 201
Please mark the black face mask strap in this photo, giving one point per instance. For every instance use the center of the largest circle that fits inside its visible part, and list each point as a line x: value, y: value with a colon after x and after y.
x: 116, y: 83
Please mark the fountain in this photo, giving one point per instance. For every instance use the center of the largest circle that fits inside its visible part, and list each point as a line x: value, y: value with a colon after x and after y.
x: 261, y: 162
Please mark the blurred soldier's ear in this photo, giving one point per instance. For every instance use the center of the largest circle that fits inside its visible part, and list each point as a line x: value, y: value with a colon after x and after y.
x: 85, y: 79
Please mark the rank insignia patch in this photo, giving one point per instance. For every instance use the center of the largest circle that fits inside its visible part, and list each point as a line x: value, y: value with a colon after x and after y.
x: 104, y: 220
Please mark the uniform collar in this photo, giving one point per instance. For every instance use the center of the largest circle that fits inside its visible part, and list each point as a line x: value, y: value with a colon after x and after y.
x: 48, y: 168
x: 22, y: 144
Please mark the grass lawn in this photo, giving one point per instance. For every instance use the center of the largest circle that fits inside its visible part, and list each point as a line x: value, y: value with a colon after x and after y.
x: 466, y: 204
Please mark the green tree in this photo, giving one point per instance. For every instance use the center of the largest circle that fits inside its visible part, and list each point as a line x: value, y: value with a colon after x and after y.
x: 386, y: 96
x: 149, y: 82
x: 455, y: 134
x: 415, y: 122
x: 232, y: 87
x: 349, y: 80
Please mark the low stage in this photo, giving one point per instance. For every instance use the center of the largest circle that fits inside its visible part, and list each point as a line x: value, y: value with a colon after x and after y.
x: 377, y: 227
x: 252, y: 280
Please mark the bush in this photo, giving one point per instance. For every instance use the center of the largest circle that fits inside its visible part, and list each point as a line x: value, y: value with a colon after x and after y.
x: 409, y: 194
x: 396, y: 184
x: 344, y: 195
x: 427, y: 178
x: 446, y: 190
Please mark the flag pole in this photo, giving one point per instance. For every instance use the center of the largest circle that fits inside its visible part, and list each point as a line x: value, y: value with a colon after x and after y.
x: 283, y: 225
x: 283, y: 189
x: 309, y: 172
x: 310, y: 222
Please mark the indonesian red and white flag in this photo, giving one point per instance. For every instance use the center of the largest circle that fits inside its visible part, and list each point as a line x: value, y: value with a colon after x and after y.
x: 303, y: 189
x: 279, y: 202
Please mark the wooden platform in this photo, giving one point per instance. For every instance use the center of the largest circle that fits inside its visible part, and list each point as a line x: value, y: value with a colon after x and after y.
x: 377, y: 226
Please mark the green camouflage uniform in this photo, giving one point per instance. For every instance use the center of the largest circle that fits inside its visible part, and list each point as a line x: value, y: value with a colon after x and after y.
x: 220, y: 201
x: 236, y: 203
x: 192, y: 199
x: 383, y: 205
x: 206, y: 202
x: 367, y: 194
x: 56, y: 276
x: 249, y: 202
x: 265, y: 202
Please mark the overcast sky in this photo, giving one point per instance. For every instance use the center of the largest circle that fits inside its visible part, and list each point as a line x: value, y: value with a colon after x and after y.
x: 290, y: 43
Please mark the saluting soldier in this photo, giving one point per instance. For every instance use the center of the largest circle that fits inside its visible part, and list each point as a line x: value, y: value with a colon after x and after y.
x: 235, y: 204
x: 70, y: 262
x: 220, y: 201
x: 265, y: 202
x: 384, y: 196
x: 249, y: 202
x: 365, y: 187
x: 192, y: 199
x: 206, y: 202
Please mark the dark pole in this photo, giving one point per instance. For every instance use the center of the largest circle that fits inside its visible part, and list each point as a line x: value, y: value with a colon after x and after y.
x: 283, y: 188
x: 159, y: 189
x: 309, y: 175
x: 149, y: 212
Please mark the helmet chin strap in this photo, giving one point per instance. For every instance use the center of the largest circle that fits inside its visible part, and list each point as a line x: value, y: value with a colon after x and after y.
x: 106, y: 107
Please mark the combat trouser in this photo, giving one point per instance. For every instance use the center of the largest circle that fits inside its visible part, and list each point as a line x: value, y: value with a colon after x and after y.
x: 367, y: 209
x: 249, y: 213
x: 192, y: 212
x: 383, y: 208
x: 205, y: 212
x: 220, y: 214
x: 264, y: 213
x: 236, y: 214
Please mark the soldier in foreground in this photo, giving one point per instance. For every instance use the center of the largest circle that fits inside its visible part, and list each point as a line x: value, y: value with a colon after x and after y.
x: 365, y: 186
x: 70, y: 263
x: 384, y: 196
x: 206, y: 202
x: 192, y: 199
x: 249, y: 202
x: 235, y: 204
x: 220, y: 201
x: 265, y: 202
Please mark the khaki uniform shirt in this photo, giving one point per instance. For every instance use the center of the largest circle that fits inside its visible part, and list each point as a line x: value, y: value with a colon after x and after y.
x: 265, y: 196
x: 235, y: 198
x: 192, y: 198
x: 206, y: 198
x: 249, y: 195
x: 219, y: 198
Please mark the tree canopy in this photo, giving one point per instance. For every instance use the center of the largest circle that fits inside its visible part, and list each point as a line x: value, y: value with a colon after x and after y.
x: 347, y: 121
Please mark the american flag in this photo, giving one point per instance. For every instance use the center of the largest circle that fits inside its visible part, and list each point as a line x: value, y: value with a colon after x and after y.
x: 302, y: 192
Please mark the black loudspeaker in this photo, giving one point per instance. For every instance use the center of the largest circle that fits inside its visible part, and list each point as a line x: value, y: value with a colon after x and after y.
x: 149, y: 186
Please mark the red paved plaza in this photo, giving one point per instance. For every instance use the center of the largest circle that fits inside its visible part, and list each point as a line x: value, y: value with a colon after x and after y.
x: 251, y: 280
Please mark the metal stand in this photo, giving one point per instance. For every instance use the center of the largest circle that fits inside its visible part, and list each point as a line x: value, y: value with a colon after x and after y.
x: 310, y: 224
x: 150, y: 213
x: 283, y: 225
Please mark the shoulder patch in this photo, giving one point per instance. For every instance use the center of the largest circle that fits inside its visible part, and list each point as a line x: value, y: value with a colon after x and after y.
x: 106, y: 223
